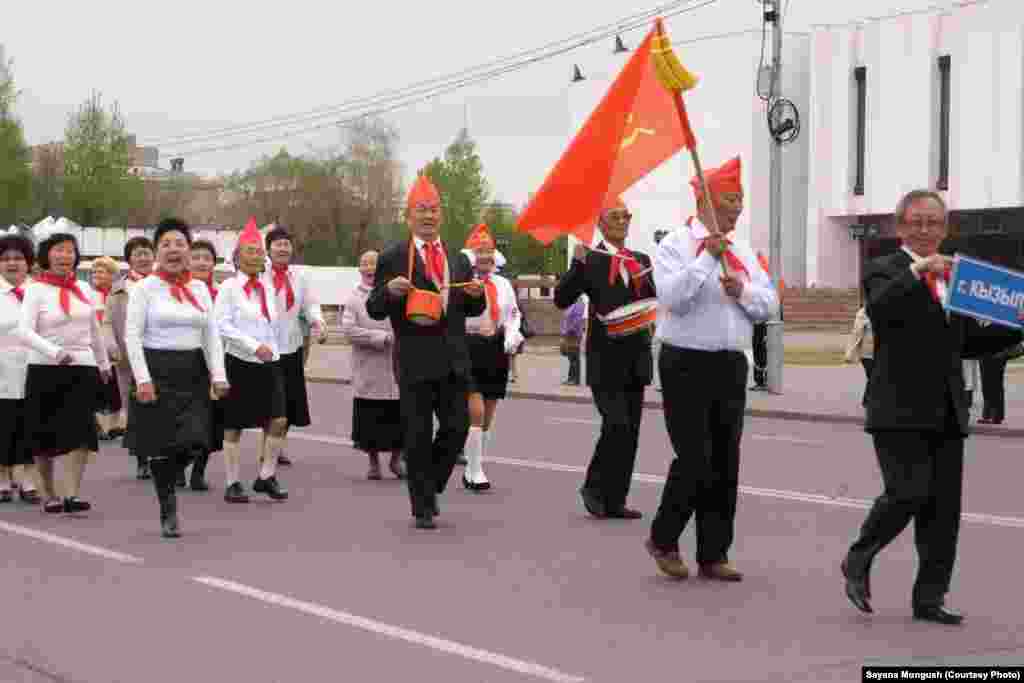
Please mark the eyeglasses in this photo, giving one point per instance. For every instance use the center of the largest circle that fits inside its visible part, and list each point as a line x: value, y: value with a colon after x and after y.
x: 931, y: 225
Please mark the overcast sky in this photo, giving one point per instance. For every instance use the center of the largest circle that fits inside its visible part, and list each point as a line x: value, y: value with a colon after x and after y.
x: 191, y: 66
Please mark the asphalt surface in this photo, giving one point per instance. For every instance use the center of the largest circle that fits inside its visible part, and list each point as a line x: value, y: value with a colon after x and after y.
x: 518, y: 584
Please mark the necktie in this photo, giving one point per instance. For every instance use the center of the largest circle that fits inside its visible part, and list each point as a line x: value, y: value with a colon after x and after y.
x: 632, y: 267
x: 435, y: 263
x: 491, y: 290
x: 281, y: 279
x: 104, y: 293
x: 68, y: 285
x: 735, y: 264
x: 255, y: 284
x: 19, y: 293
x: 179, y: 288
x: 937, y: 285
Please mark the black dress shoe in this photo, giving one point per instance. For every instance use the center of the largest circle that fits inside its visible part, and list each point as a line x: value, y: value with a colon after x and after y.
x: 625, y: 513
x: 284, y: 461
x: 593, y: 504
x: 473, y: 486
x: 271, y: 487
x: 236, y: 494
x: 425, y: 522
x: 857, y: 590
x: 73, y: 504
x: 6, y: 496
x: 169, y: 527
x: 938, y: 614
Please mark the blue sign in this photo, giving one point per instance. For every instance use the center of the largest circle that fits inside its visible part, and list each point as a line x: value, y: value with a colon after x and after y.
x: 985, y: 291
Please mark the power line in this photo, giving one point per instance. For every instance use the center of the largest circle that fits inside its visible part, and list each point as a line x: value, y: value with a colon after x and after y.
x: 586, y: 37
x: 399, y: 98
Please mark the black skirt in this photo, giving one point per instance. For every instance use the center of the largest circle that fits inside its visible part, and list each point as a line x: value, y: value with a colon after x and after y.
x: 377, y: 425
x: 60, y: 409
x: 490, y: 366
x: 12, y: 433
x: 256, y: 396
x: 293, y: 372
x: 109, y: 398
x: 178, y: 421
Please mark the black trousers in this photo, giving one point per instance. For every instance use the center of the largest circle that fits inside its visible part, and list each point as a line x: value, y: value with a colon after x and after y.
x: 760, y: 352
x: 705, y: 394
x: 923, y: 477
x: 868, y: 365
x: 611, y: 468
x: 993, y: 388
x: 574, y: 367
x: 430, y: 458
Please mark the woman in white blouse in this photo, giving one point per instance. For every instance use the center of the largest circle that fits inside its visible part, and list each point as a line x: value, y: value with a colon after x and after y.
x: 246, y: 312
x: 294, y: 297
x: 58, y: 324
x: 493, y: 339
x: 16, y: 466
x: 110, y: 416
x: 175, y: 355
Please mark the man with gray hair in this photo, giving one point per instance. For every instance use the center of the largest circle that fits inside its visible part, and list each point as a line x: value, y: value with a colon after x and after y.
x: 917, y: 413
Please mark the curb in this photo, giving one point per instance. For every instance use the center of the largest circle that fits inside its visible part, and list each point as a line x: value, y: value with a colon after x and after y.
x: 764, y: 413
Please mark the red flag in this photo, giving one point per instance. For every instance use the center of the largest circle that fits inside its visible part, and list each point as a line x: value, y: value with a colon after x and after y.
x: 634, y: 129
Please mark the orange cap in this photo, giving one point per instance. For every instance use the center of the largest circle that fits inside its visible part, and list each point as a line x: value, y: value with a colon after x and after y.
x: 423, y: 192
x: 725, y: 178
x: 251, y: 234
x: 480, y: 238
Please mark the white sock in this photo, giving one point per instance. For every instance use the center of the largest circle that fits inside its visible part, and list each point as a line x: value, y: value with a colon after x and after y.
x: 232, y: 462
x: 472, y: 449
x: 485, y: 442
x: 275, y: 446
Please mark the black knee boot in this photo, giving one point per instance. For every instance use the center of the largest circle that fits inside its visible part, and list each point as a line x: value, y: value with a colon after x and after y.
x: 198, y: 476
x: 143, y: 471
x: 164, y: 475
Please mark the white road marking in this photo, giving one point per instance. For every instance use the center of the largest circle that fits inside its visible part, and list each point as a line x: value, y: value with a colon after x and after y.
x: 69, y: 543
x: 760, y: 437
x: 798, y: 496
x: 396, y: 632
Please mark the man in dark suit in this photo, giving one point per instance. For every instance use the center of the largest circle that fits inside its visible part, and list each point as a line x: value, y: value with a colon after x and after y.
x: 433, y: 366
x: 916, y: 412
x: 618, y: 369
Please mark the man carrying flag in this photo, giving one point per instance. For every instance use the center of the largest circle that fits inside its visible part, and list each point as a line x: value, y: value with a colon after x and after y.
x: 618, y: 369
x: 711, y: 290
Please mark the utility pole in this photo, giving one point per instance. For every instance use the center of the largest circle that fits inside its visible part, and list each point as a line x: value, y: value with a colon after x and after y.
x: 775, y: 337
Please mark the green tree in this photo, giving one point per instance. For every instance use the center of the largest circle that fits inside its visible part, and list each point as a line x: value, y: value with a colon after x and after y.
x: 98, y: 188
x: 459, y: 178
x: 15, y: 171
x: 525, y: 255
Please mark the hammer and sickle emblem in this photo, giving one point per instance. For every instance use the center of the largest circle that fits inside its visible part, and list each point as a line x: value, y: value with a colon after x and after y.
x: 634, y: 134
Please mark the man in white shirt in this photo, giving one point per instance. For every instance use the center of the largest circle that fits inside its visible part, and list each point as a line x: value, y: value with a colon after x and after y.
x: 711, y: 290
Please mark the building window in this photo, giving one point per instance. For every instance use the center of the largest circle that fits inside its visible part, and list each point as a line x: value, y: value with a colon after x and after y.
x: 860, y: 76
x: 944, y: 65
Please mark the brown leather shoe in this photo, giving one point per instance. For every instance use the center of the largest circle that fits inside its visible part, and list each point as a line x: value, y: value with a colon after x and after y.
x: 669, y: 562
x: 720, y: 571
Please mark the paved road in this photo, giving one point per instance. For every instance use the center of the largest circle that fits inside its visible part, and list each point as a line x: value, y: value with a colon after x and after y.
x: 516, y: 585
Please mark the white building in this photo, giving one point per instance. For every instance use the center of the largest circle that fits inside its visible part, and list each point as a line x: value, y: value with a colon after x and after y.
x: 729, y: 120
x: 929, y: 99
x: 942, y: 109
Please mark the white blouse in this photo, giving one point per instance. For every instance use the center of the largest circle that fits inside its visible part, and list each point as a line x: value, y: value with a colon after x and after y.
x: 289, y: 337
x: 509, y: 317
x: 156, y: 320
x: 240, y: 319
x: 47, y: 330
x: 13, y: 354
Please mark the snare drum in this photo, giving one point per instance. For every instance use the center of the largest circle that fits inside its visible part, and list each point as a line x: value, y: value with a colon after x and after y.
x: 631, y: 318
x: 423, y: 307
